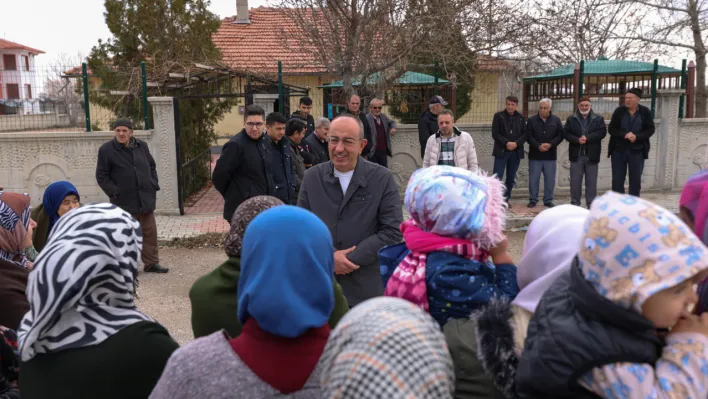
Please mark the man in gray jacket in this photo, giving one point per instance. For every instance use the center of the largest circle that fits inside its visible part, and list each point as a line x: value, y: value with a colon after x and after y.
x: 359, y: 202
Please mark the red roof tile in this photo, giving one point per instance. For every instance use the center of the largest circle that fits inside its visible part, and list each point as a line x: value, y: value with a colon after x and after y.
x: 8, y: 45
x: 271, y: 36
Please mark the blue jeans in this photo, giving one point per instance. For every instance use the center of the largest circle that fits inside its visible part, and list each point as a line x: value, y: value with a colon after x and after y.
x: 548, y: 168
x: 509, y: 161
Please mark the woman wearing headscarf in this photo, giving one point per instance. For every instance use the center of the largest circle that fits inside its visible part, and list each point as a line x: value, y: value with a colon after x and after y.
x: 387, y: 348
x: 284, y: 301
x: 485, y: 348
x: 59, y: 198
x: 214, y: 296
x: 15, y: 237
x: 693, y: 210
x: 83, y: 336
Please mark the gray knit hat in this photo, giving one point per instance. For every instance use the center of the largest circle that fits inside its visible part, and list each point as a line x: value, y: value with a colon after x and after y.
x: 123, y: 122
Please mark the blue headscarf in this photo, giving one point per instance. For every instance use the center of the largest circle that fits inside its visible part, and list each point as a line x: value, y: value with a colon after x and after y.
x: 53, y: 197
x: 287, y: 270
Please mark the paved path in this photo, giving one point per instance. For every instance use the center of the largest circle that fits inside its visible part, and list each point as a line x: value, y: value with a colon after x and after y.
x: 205, y: 216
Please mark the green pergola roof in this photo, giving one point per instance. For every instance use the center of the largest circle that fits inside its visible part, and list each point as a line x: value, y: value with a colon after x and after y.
x: 407, y: 79
x: 604, y: 66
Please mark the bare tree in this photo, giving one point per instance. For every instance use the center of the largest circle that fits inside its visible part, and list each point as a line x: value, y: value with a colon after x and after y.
x: 573, y: 30
x: 674, y: 24
x: 60, y: 89
x: 358, y: 39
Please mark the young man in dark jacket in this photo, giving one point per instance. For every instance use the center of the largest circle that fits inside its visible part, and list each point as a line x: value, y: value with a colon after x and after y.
x: 280, y: 158
x: 630, y: 128
x: 295, y: 132
x: 428, y: 124
x: 244, y: 169
x: 544, y: 132
x: 304, y: 112
x: 508, y: 128
x: 126, y: 172
x: 584, y: 131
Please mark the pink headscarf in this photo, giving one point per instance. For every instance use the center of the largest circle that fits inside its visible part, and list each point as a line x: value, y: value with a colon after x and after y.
x: 694, y: 197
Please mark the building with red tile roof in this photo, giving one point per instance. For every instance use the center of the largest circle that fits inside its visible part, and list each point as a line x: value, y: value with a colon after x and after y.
x: 255, y: 39
x: 18, y: 81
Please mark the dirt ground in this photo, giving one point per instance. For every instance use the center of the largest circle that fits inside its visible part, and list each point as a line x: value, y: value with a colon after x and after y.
x: 165, y: 297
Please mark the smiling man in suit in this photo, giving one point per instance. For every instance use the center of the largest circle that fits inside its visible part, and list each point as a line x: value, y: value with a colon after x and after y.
x: 360, y: 203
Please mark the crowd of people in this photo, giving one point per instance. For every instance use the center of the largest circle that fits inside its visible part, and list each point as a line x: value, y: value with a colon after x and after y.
x: 327, y: 292
x: 630, y: 129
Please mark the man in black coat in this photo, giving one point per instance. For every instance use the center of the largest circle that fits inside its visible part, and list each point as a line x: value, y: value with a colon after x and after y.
x: 544, y: 132
x: 126, y: 173
x: 630, y: 128
x: 354, y: 108
x: 304, y: 112
x: 243, y: 170
x: 428, y: 123
x: 279, y: 156
x: 584, y: 131
x: 316, y: 144
x: 508, y: 129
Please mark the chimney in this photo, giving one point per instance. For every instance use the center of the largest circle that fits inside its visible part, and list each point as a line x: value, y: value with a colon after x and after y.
x: 242, y: 12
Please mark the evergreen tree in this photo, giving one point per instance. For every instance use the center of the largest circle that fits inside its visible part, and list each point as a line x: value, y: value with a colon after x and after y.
x: 170, y: 36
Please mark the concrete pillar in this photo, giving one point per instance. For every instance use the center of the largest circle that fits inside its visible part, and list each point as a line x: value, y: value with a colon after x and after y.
x: 165, y: 154
x: 668, y: 139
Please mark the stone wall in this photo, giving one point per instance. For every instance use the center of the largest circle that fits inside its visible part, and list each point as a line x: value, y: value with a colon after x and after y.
x: 679, y: 148
x: 10, y: 123
x: 29, y: 162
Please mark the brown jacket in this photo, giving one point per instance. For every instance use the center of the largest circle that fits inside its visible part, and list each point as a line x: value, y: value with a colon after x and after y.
x: 13, y: 300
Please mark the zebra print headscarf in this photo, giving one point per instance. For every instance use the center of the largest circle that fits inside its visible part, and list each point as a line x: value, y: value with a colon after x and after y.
x: 82, y: 287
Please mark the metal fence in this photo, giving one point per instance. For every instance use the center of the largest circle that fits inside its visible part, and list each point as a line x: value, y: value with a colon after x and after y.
x: 55, y: 98
x: 403, y: 102
x: 196, y: 174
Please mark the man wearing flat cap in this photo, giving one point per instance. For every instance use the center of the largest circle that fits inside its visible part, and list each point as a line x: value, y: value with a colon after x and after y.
x: 126, y: 173
x: 630, y: 128
x: 428, y: 123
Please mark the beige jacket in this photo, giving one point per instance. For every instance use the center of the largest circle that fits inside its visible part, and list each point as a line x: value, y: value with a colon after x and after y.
x: 465, y: 153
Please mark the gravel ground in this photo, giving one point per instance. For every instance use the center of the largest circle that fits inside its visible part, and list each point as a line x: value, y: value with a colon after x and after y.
x: 165, y: 297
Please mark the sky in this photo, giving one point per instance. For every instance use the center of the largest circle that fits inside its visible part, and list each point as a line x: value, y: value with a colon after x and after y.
x: 59, y: 29
x: 72, y: 27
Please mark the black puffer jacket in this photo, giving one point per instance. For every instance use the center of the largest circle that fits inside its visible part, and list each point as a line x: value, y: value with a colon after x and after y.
x: 243, y: 171
x: 427, y: 126
x: 128, y: 176
x: 484, y: 352
x: 574, y: 330
x: 596, y: 131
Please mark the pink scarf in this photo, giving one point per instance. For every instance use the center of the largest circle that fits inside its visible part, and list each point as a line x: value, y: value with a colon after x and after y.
x: 408, y: 280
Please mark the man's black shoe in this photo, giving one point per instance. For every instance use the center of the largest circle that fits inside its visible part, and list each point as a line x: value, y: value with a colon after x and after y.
x: 156, y: 268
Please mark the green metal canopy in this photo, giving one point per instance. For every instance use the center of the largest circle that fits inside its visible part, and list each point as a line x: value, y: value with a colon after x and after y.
x: 604, y: 66
x: 407, y: 79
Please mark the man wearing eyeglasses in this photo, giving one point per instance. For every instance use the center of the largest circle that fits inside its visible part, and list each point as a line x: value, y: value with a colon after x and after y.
x: 382, y: 129
x: 244, y: 168
x: 360, y: 202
